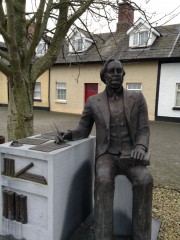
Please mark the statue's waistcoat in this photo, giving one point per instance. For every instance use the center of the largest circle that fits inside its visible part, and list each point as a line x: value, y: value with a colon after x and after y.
x: 120, y: 141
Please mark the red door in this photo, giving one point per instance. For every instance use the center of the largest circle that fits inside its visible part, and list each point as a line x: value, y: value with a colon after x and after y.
x: 90, y: 89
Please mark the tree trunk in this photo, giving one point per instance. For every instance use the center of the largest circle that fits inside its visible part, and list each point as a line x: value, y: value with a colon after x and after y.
x: 20, y: 110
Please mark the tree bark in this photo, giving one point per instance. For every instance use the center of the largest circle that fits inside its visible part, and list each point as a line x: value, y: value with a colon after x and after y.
x: 20, y: 110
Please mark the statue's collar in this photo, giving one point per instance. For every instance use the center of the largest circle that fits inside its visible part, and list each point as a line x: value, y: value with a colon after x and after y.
x: 111, y: 92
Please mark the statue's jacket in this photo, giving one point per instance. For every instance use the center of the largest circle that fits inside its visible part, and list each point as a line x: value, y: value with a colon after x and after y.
x: 97, y: 110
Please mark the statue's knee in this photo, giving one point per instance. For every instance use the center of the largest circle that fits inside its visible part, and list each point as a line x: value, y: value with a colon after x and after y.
x: 148, y: 180
x: 144, y: 178
x: 104, y: 176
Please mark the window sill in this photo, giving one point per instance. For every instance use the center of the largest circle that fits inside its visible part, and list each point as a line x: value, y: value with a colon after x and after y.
x: 176, y: 108
x: 37, y: 100
x: 61, y: 101
x: 134, y: 89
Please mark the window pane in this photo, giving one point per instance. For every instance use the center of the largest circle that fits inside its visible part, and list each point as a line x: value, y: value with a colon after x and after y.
x: 143, y: 38
x: 134, y: 86
x: 178, y: 99
x: 73, y: 44
x: 41, y: 48
x: 37, y: 91
x: 62, y: 94
x: 36, y: 95
x: 61, y: 85
x: 178, y: 94
x: 61, y: 91
x: 79, y: 44
x: 135, y: 39
x: 38, y: 87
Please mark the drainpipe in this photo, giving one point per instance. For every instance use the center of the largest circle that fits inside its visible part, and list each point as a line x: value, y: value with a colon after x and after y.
x: 49, y: 89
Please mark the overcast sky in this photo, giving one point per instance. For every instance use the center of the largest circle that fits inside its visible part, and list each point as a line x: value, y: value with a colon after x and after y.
x: 160, y: 8
x: 160, y: 12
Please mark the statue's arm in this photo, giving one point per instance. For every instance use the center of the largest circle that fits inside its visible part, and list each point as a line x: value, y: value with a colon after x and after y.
x: 82, y: 131
x: 143, y: 132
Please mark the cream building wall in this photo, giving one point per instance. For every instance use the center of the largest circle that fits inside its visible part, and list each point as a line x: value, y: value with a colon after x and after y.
x: 43, y: 79
x: 145, y: 73
x: 76, y: 77
x: 3, y: 89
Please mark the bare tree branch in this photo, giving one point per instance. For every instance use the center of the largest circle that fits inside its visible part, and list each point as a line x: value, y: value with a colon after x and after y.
x: 36, y: 32
x: 4, y: 55
x: 62, y: 27
x: 5, y: 68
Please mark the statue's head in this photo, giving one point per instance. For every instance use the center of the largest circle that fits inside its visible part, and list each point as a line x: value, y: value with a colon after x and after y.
x: 112, y: 74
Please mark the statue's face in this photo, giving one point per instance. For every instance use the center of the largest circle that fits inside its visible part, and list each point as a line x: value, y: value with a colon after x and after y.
x: 114, y: 75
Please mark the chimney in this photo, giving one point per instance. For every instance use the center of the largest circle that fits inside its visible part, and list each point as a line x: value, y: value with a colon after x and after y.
x: 125, y: 17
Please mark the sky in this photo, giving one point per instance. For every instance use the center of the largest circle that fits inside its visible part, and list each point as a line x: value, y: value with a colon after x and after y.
x: 160, y: 8
x: 160, y: 12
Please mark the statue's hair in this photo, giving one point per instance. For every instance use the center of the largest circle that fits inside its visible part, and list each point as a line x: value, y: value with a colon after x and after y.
x: 104, y: 69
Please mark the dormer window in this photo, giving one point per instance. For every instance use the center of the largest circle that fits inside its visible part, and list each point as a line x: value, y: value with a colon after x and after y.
x: 41, y: 49
x: 141, y: 34
x: 140, y: 38
x: 80, y: 41
x: 78, y: 44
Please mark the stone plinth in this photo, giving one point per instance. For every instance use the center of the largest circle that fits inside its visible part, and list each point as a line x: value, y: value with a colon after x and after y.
x: 123, y: 206
x: 123, y: 198
x: 55, y: 209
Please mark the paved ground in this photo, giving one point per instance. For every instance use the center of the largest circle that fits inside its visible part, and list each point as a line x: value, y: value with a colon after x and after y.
x: 164, y: 143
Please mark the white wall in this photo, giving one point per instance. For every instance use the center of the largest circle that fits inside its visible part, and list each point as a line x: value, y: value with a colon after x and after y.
x: 170, y: 75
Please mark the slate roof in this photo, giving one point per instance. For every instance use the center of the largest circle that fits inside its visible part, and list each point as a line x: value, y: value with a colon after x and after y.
x: 116, y: 45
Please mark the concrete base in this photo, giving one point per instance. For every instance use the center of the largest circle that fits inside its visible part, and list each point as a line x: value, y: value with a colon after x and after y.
x: 55, y: 209
x: 122, y: 227
x: 86, y: 231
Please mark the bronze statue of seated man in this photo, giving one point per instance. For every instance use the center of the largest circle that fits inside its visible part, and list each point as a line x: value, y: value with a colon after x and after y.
x: 122, y: 129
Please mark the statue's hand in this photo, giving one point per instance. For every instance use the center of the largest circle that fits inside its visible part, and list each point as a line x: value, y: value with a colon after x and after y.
x: 67, y: 135
x: 61, y: 136
x: 138, y: 152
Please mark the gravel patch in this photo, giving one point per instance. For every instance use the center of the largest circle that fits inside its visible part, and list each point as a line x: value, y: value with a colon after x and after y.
x: 166, y: 206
